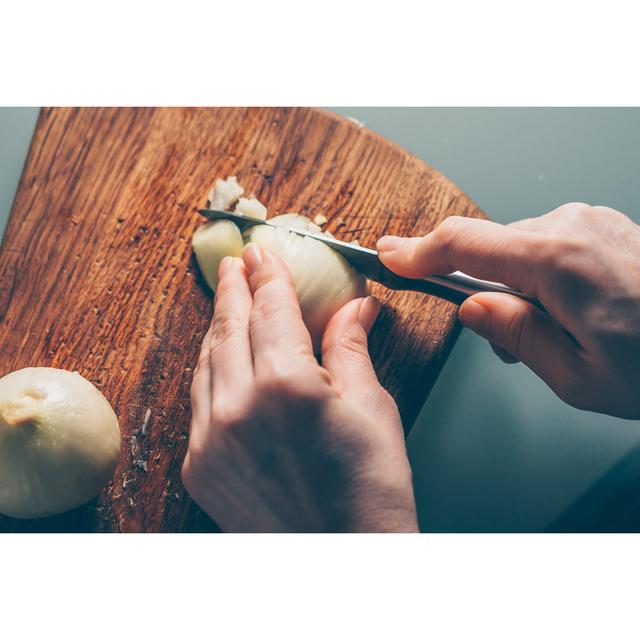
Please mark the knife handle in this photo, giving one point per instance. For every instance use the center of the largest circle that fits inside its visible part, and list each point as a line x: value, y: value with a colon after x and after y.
x: 457, y: 287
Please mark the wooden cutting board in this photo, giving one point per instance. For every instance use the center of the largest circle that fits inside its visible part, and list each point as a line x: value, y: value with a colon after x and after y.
x: 97, y: 273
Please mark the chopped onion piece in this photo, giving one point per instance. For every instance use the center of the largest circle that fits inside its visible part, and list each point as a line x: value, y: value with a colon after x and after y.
x: 225, y: 194
x: 211, y: 243
x: 251, y: 207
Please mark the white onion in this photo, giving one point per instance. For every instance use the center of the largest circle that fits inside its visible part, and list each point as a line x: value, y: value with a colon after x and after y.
x: 323, y: 279
x: 59, y: 442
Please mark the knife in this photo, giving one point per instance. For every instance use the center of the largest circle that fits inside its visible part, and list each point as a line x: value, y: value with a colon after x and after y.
x: 454, y: 287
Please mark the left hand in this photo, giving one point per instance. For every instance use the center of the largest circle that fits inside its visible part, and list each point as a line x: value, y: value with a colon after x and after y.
x: 278, y: 442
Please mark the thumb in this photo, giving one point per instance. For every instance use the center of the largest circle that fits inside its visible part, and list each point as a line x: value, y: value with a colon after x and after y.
x: 345, y: 355
x: 409, y: 257
x: 528, y: 334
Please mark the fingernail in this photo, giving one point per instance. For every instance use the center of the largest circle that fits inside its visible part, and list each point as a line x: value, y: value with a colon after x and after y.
x: 252, y: 257
x: 267, y: 256
x: 475, y: 316
x: 224, y: 266
x: 369, y: 309
x: 390, y: 243
x: 236, y: 264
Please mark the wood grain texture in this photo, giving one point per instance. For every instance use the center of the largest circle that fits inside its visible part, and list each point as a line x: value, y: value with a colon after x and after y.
x: 97, y: 273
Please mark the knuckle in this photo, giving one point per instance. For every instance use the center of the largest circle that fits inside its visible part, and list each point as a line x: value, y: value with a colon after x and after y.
x: 202, y: 365
x: 270, y: 275
x: 225, y: 415
x: 574, y: 208
x: 226, y: 285
x: 278, y: 299
x: 263, y: 276
x: 576, y: 212
x: 449, y: 229
x: 306, y: 386
x: 196, y: 454
x: 278, y: 384
x: 267, y: 306
x: 225, y: 326
x: 514, y: 333
x: 349, y: 344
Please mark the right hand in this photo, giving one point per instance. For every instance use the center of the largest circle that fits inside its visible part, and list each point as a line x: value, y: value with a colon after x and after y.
x: 582, y: 263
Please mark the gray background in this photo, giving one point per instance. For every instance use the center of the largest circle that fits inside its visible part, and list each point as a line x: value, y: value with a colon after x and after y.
x: 493, y: 449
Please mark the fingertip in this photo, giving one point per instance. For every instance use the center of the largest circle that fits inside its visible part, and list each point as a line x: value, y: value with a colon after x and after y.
x: 357, y: 313
x: 388, y: 244
x: 403, y: 256
x: 393, y: 260
x: 475, y: 316
x: 252, y: 257
x: 342, y: 321
x: 345, y: 354
x: 348, y: 314
x: 238, y: 263
x: 255, y: 257
x: 224, y: 266
x: 229, y: 269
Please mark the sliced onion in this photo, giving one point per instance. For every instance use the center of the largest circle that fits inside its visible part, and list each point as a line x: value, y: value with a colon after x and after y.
x: 323, y: 279
x: 211, y: 243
